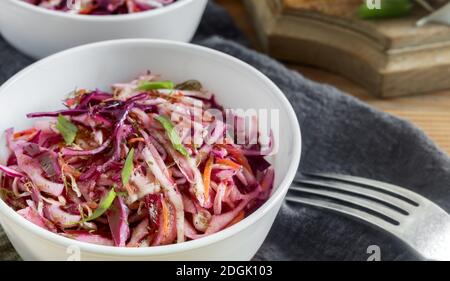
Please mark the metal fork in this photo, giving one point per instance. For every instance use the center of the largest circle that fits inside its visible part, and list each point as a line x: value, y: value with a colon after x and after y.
x: 415, y: 220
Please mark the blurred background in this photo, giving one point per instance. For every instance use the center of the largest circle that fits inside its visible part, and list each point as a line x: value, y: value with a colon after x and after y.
x: 396, y: 58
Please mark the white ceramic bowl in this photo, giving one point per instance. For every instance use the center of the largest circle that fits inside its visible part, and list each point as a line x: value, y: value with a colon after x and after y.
x: 39, y: 32
x: 43, y: 85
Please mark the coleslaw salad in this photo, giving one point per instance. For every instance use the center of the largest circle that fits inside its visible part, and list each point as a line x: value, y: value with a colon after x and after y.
x: 101, y: 7
x: 135, y: 167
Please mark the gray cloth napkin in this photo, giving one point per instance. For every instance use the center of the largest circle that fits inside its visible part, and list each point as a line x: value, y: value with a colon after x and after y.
x: 340, y: 134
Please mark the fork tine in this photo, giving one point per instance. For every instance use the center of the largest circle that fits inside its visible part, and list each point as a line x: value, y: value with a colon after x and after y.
x: 414, y: 198
x: 345, y: 210
x: 360, y: 202
x: 361, y: 191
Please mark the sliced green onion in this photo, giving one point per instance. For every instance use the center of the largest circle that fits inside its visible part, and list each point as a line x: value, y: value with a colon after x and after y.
x: 66, y: 129
x: 155, y: 85
x: 172, y: 134
x: 104, y: 205
x: 128, y: 167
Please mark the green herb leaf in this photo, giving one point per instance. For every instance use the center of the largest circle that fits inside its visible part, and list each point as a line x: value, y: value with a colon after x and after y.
x: 104, y: 205
x: 155, y: 85
x: 128, y: 167
x: 172, y: 134
x: 66, y: 129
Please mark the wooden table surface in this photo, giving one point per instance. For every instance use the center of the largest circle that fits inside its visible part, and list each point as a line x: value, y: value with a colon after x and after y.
x: 429, y: 112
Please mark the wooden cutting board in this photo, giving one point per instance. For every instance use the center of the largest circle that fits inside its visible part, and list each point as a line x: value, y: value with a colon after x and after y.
x: 387, y: 57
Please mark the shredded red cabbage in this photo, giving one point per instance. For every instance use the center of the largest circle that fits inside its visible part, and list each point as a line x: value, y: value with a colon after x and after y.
x: 101, y: 7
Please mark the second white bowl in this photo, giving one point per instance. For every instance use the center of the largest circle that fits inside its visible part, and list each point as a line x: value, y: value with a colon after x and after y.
x: 39, y: 32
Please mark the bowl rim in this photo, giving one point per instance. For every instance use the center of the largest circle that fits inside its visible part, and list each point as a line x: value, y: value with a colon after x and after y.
x: 274, y: 199
x: 101, y: 18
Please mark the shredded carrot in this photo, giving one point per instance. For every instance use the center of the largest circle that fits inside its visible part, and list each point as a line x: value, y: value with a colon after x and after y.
x: 239, y: 157
x: 237, y: 219
x: 133, y: 140
x: 229, y: 163
x: 243, y: 161
x: 207, y: 176
x: 68, y: 169
x: 165, y: 216
x: 92, y: 205
x: 130, y: 189
x: 24, y: 133
x: 71, y: 171
x: 87, y: 9
x: 71, y: 102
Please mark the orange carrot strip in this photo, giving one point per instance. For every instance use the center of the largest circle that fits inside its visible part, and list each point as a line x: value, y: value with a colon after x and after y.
x: 87, y: 9
x: 71, y: 102
x: 165, y: 216
x: 239, y: 157
x: 68, y: 169
x: 92, y: 205
x: 237, y: 219
x: 133, y: 140
x: 207, y: 176
x: 21, y: 134
x: 229, y: 163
